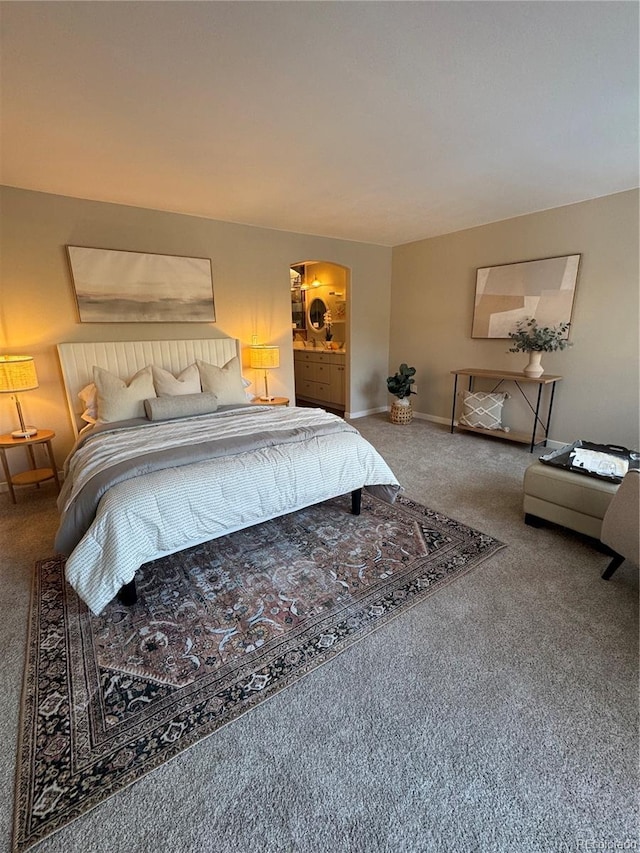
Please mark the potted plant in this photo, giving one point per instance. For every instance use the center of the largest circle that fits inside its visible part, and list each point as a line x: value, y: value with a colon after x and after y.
x: 400, y: 386
x: 533, y: 339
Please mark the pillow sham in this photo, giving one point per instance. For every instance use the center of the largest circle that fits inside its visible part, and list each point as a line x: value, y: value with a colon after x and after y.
x: 119, y: 400
x: 180, y: 406
x: 247, y: 394
x: 483, y: 410
x: 168, y: 385
x: 89, y: 398
x: 225, y: 382
x: 88, y: 418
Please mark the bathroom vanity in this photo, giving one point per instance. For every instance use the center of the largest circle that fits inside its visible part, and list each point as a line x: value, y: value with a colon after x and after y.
x: 320, y: 376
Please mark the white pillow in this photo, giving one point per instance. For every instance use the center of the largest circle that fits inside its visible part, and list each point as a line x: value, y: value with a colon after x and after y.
x: 88, y: 418
x: 89, y: 399
x: 168, y: 385
x: 245, y: 384
x: 225, y: 382
x: 119, y: 400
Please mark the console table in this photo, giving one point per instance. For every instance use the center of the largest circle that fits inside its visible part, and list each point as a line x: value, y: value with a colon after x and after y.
x: 541, y: 425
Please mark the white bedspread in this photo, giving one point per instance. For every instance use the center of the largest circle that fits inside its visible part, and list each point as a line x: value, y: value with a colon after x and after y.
x: 104, y: 450
x: 171, y: 509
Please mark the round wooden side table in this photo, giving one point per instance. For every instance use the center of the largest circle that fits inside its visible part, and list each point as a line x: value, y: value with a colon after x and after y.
x: 35, y: 475
x: 277, y: 401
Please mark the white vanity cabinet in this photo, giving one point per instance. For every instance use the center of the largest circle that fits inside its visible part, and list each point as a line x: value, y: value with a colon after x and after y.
x: 320, y: 376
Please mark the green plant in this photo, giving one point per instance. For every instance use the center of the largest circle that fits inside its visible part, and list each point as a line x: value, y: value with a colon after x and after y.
x: 530, y: 337
x: 400, y: 383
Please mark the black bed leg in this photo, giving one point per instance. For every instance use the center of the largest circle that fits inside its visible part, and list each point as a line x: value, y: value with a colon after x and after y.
x: 356, y: 501
x: 617, y: 561
x: 128, y: 594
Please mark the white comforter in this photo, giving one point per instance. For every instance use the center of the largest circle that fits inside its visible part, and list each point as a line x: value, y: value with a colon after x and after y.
x: 167, y: 510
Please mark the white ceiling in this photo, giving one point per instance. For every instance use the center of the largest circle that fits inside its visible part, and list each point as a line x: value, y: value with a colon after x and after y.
x: 382, y: 122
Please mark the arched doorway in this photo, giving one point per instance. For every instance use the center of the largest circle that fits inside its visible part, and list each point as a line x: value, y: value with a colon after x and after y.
x: 320, y: 334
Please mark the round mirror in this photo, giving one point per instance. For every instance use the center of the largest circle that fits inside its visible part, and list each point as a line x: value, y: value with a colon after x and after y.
x: 317, y: 311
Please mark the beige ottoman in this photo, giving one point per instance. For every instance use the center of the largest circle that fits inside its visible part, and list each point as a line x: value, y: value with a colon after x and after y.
x: 572, y: 500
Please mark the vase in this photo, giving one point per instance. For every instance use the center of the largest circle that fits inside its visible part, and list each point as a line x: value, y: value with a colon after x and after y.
x: 401, y: 411
x: 534, y: 369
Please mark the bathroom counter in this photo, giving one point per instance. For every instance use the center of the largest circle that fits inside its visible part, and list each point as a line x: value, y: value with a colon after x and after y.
x: 302, y: 348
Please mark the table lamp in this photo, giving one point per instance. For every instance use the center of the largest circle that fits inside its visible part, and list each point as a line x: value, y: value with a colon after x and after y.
x: 17, y: 374
x: 264, y: 357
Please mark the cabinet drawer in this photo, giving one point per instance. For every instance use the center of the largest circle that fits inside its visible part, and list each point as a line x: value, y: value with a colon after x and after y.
x: 306, y: 371
x: 323, y: 392
x: 319, y: 391
x: 306, y: 389
x: 303, y: 356
x: 322, y: 372
x: 318, y: 356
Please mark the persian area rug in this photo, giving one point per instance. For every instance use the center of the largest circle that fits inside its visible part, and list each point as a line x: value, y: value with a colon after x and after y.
x: 217, y: 629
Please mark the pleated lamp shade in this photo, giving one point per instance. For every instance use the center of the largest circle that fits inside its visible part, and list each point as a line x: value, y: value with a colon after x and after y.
x: 264, y: 357
x: 17, y: 373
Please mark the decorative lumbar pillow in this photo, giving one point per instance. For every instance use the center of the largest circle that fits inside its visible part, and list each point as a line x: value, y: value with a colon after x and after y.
x: 168, y: 385
x: 89, y: 399
x: 225, y: 382
x: 180, y: 406
x: 483, y: 410
x: 119, y: 400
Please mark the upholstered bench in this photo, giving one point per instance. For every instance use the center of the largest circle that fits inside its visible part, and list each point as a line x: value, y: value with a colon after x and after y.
x: 573, y: 500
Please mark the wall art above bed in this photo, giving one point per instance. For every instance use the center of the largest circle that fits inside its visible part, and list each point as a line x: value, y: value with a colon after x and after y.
x: 114, y: 286
x: 505, y: 294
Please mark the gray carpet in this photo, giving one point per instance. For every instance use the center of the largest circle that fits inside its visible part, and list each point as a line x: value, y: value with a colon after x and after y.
x: 501, y: 715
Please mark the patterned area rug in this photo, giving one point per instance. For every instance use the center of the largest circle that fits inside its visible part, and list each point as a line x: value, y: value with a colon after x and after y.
x: 217, y: 629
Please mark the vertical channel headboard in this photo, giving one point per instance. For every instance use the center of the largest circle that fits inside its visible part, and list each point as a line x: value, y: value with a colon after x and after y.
x: 124, y: 358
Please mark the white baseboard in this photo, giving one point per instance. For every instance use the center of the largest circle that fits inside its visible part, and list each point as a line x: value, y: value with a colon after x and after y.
x: 363, y: 414
x: 418, y: 415
x: 435, y: 419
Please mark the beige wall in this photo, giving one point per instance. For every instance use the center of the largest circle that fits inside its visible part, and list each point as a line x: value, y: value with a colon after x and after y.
x: 251, y: 284
x: 433, y: 288
x: 432, y: 285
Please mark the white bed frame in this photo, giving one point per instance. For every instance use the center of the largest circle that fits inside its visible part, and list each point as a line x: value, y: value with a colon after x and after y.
x: 124, y: 358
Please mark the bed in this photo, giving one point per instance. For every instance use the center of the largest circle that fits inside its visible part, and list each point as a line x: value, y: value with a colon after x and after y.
x: 197, y: 461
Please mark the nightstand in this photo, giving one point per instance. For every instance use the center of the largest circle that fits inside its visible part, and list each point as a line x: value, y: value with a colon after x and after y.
x: 36, y: 475
x: 277, y: 401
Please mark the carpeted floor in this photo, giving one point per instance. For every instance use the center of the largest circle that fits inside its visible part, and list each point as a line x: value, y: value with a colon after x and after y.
x: 498, y: 715
x: 217, y: 629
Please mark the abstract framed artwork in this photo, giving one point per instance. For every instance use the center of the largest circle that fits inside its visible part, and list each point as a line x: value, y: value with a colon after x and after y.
x: 542, y: 289
x: 113, y: 286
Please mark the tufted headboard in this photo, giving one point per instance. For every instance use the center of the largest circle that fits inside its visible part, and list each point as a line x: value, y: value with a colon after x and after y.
x: 124, y: 358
